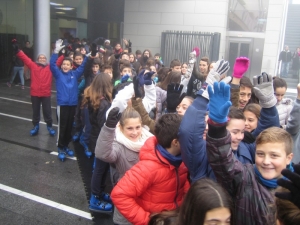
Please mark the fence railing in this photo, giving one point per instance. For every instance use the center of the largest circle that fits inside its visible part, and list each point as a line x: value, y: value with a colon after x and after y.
x: 178, y: 45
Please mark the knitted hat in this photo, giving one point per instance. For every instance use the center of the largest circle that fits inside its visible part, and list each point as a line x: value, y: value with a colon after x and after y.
x: 107, y: 41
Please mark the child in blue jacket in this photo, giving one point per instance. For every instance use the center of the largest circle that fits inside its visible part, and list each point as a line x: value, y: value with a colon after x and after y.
x: 67, y: 98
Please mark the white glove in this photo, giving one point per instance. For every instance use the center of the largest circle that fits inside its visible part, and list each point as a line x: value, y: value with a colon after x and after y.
x: 58, y: 46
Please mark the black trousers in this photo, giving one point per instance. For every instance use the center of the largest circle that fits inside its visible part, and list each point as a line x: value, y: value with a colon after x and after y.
x: 36, y: 107
x: 78, y: 117
x: 65, y: 118
x: 99, y: 177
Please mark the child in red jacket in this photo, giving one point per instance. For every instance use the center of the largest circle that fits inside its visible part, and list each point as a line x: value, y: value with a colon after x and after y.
x: 159, y: 180
x: 40, y: 89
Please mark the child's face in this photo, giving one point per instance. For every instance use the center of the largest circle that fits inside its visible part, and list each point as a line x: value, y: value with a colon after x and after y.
x: 66, y: 66
x: 176, y: 68
x: 131, y: 58
x: 279, y: 93
x: 125, y: 57
x: 126, y: 71
x: 271, y: 159
x: 251, y: 121
x: 236, y: 127
x: 153, y: 69
x: 219, y: 215
x: 42, y: 59
x: 203, y: 67
x: 132, y: 129
x: 118, y: 46
x: 95, y: 69
x: 156, y: 57
x: 183, y: 106
x: 245, y: 95
x: 109, y: 72
x: 83, y: 51
x: 183, y: 69
x: 78, y: 60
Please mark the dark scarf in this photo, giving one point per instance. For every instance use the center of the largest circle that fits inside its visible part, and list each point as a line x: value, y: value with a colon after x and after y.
x: 173, y: 160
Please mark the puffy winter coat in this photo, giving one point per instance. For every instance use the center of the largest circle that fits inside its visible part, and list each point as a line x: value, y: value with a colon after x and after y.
x: 284, y: 108
x: 41, y: 76
x: 66, y: 83
x: 293, y: 127
x: 150, y: 186
x: 161, y: 97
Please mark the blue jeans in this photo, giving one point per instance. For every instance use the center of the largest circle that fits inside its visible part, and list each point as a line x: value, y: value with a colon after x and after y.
x: 285, y: 69
x: 17, y: 69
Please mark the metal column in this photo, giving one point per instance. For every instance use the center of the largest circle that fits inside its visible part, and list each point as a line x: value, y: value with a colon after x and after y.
x: 41, y: 30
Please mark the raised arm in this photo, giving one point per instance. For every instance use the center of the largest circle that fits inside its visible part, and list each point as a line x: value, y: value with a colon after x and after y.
x: 27, y: 61
x: 191, y: 131
x: 263, y: 89
x: 227, y: 169
x: 53, y: 66
x: 105, y: 149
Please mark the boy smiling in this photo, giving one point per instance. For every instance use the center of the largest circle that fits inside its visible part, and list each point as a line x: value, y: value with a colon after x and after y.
x: 251, y: 186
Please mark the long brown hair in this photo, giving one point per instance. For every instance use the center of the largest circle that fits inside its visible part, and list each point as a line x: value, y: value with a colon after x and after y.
x: 100, y: 88
x: 172, y: 77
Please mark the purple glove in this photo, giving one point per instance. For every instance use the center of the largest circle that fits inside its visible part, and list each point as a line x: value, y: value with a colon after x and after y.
x: 148, y: 77
x: 240, y: 67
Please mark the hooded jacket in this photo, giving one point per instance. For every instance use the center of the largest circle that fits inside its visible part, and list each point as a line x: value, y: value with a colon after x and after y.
x: 150, y: 186
x: 41, y: 76
x: 66, y: 83
x: 284, y: 108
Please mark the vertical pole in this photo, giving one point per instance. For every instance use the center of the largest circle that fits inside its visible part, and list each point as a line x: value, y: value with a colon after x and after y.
x: 41, y: 20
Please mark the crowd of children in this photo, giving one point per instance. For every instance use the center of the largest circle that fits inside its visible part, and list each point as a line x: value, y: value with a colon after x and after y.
x: 184, y: 144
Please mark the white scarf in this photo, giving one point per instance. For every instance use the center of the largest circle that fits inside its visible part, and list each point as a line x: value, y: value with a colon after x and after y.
x: 131, y: 145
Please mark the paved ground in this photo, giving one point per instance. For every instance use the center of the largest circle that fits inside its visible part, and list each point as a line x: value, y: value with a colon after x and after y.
x: 35, y: 187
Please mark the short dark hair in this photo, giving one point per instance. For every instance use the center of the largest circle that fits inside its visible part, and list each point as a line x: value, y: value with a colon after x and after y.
x: 246, y: 82
x: 279, y: 83
x: 76, y: 53
x: 166, y: 129
x: 138, y: 52
x: 106, y: 67
x: 68, y: 59
x: 157, y: 54
x: 235, y: 113
x: 175, y: 62
x: 97, y: 61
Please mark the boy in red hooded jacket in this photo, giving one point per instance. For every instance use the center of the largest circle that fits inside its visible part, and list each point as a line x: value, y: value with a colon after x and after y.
x: 159, y: 180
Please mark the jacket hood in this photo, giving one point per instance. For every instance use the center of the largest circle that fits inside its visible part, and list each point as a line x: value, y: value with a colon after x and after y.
x: 149, y: 152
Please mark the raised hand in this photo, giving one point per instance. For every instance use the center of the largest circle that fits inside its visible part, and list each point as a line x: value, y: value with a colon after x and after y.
x: 136, y: 86
x: 58, y: 46
x: 113, y: 118
x: 148, y: 77
x: 217, y: 71
x: 263, y: 90
x: 219, y: 102
x: 125, y: 78
x: 240, y: 67
x: 174, y: 96
x: 293, y: 185
x: 94, y: 49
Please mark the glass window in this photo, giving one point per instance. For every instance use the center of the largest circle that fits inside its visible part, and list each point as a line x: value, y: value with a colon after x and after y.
x: 248, y: 15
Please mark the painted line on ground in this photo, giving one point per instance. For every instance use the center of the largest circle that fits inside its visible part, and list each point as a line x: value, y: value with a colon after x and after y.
x: 15, y: 100
x: 56, y: 153
x: 47, y: 202
x: 23, y: 118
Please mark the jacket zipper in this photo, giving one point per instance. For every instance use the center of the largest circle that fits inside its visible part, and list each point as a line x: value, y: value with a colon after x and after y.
x: 177, y: 187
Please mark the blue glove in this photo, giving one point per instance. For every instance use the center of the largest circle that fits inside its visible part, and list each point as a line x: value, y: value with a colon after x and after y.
x: 141, y: 78
x: 219, y: 102
x: 124, y: 78
x: 148, y: 77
